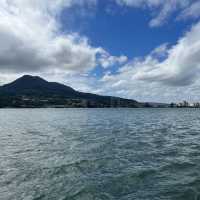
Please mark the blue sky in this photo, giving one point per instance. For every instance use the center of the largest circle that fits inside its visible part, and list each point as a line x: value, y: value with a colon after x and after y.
x: 148, y: 50
x: 123, y: 30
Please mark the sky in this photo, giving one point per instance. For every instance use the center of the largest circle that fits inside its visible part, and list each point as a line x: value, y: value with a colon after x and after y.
x: 147, y: 50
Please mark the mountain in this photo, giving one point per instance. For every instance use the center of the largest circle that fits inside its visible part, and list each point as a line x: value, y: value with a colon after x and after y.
x: 34, y: 85
x: 33, y: 91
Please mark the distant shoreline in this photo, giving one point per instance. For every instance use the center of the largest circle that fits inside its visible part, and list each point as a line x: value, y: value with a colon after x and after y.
x: 98, y: 108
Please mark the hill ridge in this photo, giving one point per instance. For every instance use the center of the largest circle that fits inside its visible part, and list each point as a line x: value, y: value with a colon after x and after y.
x: 34, y: 91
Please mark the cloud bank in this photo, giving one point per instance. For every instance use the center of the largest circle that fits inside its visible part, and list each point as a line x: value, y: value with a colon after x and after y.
x: 31, y: 39
x: 167, y: 72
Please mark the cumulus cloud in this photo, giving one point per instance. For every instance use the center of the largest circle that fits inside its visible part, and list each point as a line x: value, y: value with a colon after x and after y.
x: 31, y: 40
x: 181, y: 65
x: 106, y: 60
x: 162, y: 10
x: 167, y: 73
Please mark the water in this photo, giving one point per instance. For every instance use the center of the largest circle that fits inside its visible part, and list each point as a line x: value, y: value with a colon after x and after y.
x: 100, y: 154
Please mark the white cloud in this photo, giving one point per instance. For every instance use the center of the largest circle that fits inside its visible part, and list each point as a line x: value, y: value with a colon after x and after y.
x: 31, y: 40
x: 162, y: 10
x: 193, y: 11
x: 106, y: 60
x: 181, y: 66
x: 166, y: 74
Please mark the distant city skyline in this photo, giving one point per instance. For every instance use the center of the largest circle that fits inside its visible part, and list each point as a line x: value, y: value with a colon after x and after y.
x: 140, y: 49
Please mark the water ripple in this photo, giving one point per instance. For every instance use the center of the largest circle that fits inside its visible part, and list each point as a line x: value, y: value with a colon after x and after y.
x: 100, y: 154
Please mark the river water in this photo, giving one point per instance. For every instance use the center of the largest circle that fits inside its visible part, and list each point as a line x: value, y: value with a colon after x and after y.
x: 99, y: 154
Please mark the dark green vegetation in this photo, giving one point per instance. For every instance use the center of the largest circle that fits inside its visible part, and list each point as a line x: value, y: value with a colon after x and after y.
x: 33, y: 92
